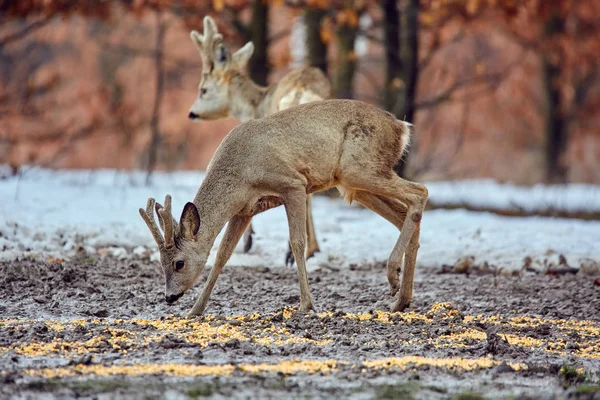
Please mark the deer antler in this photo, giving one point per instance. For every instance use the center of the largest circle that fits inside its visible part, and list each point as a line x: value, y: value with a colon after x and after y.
x: 210, y: 28
x: 167, y: 218
x: 148, y: 217
x: 208, y: 43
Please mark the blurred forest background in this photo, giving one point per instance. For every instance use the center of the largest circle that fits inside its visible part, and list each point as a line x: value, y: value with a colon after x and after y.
x: 508, y: 89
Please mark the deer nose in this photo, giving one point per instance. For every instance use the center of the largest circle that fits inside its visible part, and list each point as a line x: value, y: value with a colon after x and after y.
x: 193, y: 115
x: 173, y: 298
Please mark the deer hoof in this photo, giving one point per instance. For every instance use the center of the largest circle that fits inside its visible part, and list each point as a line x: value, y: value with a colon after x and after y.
x: 192, y: 314
x: 399, y: 306
x: 306, y: 309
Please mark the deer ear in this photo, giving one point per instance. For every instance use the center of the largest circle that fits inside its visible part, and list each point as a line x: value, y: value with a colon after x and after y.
x: 198, y: 39
x: 222, y: 56
x: 189, y: 223
x: 241, y: 57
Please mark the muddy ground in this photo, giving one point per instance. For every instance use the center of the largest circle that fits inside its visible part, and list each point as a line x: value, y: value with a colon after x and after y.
x: 99, y: 328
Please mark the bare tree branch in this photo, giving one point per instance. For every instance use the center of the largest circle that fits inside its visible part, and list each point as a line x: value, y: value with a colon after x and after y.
x: 447, y: 94
x: 582, y: 90
x: 493, y: 80
x: 279, y: 35
x: 125, y: 50
x: 434, y: 49
x: 370, y: 37
x: 237, y: 23
x: 64, y: 150
x: 520, y: 40
x: 155, y: 121
x: 371, y: 79
x: 21, y: 33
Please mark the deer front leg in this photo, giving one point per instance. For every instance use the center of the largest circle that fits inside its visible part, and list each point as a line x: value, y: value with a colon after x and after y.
x: 295, y: 207
x: 312, y: 246
x: 235, y: 229
x: 248, y: 238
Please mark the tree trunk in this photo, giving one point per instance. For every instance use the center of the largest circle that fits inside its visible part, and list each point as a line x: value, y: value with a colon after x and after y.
x: 405, y: 107
x: 155, y: 121
x: 555, y: 123
x: 259, y: 35
x: 346, y: 61
x: 317, y: 48
x: 391, y: 42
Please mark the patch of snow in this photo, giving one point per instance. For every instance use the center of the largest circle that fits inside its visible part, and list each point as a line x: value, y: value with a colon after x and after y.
x: 361, y: 43
x: 60, y: 213
x: 489, y: 194
x: 297, y: 47
x: 140, y: 251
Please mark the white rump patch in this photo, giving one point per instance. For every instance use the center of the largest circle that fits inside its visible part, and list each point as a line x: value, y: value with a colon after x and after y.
x: 297, y: 97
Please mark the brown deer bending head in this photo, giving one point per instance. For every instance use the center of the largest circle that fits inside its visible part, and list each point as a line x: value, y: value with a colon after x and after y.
x: 182, y: 256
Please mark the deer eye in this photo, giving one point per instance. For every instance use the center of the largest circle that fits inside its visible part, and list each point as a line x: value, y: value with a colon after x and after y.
x: 202, y: 91
x: 179, y: 265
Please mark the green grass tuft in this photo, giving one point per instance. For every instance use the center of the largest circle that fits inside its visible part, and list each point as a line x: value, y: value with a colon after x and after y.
x: 468, y: 396
x: 437, y: 389
x: 587, y: 389
x: 397, y: 391
x: 570, y: 376
x: 204, y: 390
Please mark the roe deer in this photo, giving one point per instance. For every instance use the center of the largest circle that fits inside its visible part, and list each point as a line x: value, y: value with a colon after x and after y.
x: 280, y: 160
x: 226, y: 90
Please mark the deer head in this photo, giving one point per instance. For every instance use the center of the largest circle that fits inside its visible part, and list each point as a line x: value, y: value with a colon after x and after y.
x: 182, y: 255
x: 218, y: 68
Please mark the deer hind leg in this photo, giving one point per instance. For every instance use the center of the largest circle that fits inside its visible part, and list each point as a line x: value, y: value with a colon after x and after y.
x: 248, y: 238
x: 395, y: 212
x: 295, y: 207
x: 407, y: 200
x: 392, y: 210
x: 235, y: 229
x: 414, y: 195
x: 408, y: 273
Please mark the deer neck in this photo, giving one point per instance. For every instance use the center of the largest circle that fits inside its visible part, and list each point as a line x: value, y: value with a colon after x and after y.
x: 216, y: 201
x: 248, y: 100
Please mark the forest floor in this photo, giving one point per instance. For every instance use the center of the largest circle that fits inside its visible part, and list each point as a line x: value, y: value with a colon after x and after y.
x: 98, y: 327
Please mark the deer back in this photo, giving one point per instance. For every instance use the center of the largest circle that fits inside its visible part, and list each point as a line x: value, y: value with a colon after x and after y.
x: 299, y: 86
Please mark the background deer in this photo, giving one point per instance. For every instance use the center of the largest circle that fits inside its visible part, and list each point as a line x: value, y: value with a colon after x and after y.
x: 227, y: 91
x: 281, y: 160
